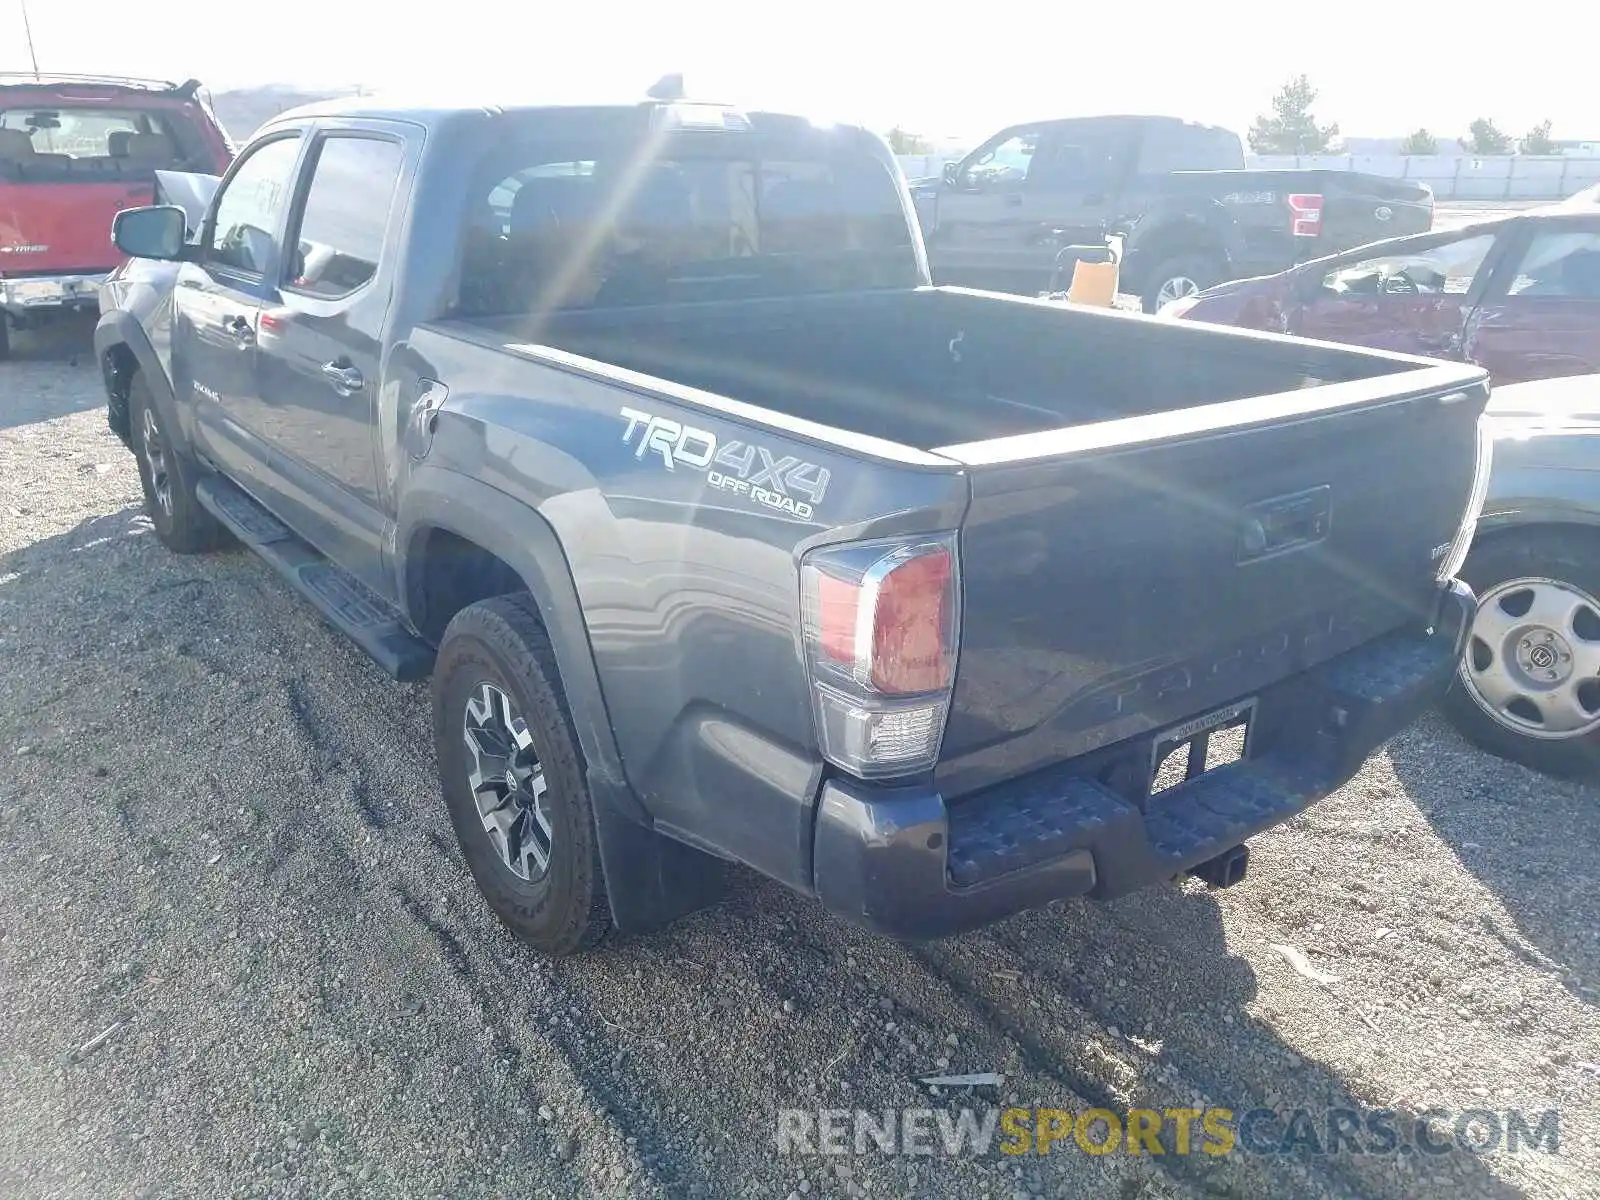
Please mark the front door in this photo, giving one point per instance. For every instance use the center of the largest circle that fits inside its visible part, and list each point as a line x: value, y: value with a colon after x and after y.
x: 1413, y: 297
x: 1541, y: 317
x: 320, y: 357
x: 217, y: 304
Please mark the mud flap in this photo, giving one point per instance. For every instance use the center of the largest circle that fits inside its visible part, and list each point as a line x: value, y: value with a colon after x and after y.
x: 651, y: 880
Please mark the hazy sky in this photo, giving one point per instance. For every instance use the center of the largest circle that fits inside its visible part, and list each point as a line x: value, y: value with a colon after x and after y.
x: 945, y: 69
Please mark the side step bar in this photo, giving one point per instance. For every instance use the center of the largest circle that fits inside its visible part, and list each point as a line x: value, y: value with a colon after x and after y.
x: 344, y: 601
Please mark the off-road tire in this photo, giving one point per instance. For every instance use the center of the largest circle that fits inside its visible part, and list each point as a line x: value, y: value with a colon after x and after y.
x: 1565, y: 555
x: 183, y: 524
x: 502, y: 642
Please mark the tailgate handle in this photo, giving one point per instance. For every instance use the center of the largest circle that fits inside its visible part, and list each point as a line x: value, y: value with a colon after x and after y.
x: 1285, y: 523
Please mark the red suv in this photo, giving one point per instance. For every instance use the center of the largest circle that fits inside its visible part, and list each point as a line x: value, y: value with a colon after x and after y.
x: 74, y: 151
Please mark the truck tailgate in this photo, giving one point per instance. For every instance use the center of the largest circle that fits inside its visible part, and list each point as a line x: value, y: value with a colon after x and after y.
x: 1122, y: 577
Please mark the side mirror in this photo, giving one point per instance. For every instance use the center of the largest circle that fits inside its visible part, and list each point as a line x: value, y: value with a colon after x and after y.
x: 952, y: 173
x: 157, y: 231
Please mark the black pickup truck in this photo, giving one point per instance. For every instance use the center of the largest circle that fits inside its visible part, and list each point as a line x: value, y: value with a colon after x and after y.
x: 1190, y: 214
x: 724, y: 535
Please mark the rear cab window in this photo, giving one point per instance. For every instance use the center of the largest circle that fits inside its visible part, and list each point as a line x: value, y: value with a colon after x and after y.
x: 1184, y: 146
x: 83, y: 143
x: 595, y: 210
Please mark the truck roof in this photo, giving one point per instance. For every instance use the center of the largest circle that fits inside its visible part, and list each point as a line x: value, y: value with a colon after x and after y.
x: 433, y: 107
x: 77, y: 86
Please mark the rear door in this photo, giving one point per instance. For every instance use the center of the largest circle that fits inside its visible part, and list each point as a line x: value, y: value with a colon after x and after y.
x: 66, y: 169
x: 319, y: 361
x: 1540, y: 318
x: 1411, y: 295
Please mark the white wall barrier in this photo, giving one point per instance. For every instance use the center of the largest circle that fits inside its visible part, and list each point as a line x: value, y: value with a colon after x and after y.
x: 1452, y: 177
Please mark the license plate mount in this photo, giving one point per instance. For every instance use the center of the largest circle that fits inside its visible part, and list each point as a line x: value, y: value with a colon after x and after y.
x: 1197, y: 734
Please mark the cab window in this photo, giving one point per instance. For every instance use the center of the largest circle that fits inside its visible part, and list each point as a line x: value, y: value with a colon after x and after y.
x: 249, y: 209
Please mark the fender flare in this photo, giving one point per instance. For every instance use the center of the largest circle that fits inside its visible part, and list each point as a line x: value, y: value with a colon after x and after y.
x: 121, y: 329
x: 1171, y: 232
x: 435, y: 498
x: 651, y: 879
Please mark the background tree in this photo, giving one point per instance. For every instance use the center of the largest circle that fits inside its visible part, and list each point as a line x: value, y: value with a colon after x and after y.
x: 1290, y: 128
x: 902, y: 142
x: 1420, y: 142
x: 1537, y: 140
x: 1484, y: 138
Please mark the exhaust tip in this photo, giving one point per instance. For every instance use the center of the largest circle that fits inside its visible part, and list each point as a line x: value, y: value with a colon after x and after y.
x: 1226, y: 869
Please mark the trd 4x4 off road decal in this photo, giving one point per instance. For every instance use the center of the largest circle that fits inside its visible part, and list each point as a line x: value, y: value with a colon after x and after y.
x: 786, y: 483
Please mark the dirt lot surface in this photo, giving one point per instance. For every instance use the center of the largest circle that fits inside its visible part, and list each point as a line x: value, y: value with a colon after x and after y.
x: 240, y: 954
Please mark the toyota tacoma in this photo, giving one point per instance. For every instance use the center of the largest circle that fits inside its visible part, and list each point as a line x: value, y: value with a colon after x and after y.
x: 725, y: 536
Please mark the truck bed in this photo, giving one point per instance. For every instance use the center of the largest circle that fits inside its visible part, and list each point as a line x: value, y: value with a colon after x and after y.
x: 1159, y: 520
x: 942, y: 366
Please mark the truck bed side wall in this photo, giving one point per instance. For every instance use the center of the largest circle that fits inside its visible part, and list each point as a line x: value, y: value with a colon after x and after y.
x: 688, y: 583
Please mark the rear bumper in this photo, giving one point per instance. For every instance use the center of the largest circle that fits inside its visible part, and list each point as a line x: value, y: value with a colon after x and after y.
x: 901, y: 862
x: 41, y: 293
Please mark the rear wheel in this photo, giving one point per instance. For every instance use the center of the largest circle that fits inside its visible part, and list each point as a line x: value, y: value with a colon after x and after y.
x: 1529, y: 684
x: 513, y: 779
x: 168, y: 475
x: 1178, y: 277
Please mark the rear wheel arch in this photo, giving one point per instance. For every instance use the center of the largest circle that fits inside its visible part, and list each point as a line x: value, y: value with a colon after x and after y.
x: 1177, y: 238
x: 509, y: 545
x: 650, y: 879
x: 451, y: 572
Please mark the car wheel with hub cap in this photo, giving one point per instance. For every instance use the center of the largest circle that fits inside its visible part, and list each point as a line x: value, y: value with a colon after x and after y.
x: 1178, y: 279
x: 512, y: 775
x: 1528, y: 688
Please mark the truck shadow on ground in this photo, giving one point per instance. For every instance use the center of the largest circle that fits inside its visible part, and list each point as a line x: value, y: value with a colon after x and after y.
x: 1527, y: 837
x: 62, y: 340
x: 682, y: 1046
x: 32, y: 384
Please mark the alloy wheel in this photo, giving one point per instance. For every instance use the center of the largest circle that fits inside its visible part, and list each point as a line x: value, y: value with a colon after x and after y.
x: 155, y: 459
x: 1177, y: 288
x: 508, y: 783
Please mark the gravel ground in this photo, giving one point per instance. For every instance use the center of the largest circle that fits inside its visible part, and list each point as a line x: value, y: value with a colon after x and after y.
x: 222, y: 849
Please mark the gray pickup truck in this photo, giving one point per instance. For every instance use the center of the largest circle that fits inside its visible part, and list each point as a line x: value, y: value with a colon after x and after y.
x: 725, y: 536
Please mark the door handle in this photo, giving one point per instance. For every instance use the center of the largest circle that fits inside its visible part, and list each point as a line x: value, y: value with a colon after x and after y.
x: 345, y: 378
x: 1013, y: 199
x: 1095, y: 198
x: 239, y: 329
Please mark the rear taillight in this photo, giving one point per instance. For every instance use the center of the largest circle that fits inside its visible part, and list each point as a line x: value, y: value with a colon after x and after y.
x: 880, y: 636
x: 1305, y: 214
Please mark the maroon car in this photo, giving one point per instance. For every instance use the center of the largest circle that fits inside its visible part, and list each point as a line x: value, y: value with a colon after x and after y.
x: 1520, y: 296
